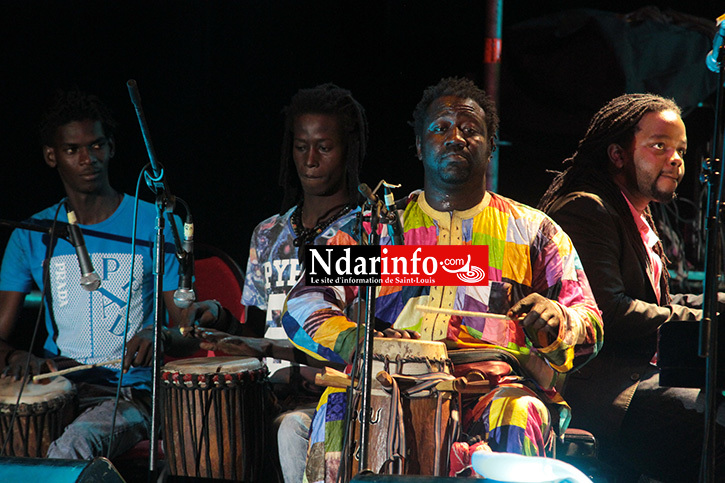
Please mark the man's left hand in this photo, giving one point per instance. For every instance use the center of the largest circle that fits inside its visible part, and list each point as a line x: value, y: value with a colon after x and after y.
x: 392, y: 333
x: 540, y: 318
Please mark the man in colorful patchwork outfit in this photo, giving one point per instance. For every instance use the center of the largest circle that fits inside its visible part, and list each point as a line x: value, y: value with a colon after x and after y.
x: 534, y: 274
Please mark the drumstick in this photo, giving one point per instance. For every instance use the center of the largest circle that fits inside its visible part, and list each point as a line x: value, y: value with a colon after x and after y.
x: 332, y: 378
x: 465, y: 313
x: 74, y: 369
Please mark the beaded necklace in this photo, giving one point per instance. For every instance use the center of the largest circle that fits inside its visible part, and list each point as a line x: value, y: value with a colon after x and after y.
x: 306, y: 236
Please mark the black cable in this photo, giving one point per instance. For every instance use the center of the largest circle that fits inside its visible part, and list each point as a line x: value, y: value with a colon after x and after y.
x: 119, y: 385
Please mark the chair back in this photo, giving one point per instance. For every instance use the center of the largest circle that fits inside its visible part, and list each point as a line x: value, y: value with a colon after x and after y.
x: 216, y: 276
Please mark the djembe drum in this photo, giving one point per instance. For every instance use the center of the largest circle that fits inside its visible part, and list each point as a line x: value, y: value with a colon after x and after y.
x: 410, y: 428
x: 42, y: 413
x: 214, y: 417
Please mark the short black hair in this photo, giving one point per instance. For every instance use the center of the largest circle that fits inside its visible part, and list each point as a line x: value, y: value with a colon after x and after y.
x: 459, y: 87
x: 74, y: 105
x: 324, y: 99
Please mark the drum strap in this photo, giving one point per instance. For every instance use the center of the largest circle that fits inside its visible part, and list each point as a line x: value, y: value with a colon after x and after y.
x: 396, y: 449
x: 426, y: 383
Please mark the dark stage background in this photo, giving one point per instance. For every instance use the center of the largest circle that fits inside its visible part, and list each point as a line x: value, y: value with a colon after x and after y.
x: 214, y: 76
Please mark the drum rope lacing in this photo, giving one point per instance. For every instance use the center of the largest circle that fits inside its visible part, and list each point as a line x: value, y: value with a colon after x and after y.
x: 203, y: 381
x: 45, y: 420
x: 200, y: 394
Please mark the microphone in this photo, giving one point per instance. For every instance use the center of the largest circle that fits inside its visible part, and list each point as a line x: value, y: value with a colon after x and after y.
x: 89, y: 278
x: 184, y: 294
x: 712, y: 57
x: 397, y: 230
x: 387, y: 210
x: 365, y: 190
x: 133, y: 93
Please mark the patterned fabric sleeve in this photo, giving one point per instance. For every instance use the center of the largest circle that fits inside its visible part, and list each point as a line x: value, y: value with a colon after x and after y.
x: 254, y: 293
x: 562, y: 279
x: 314, y: 317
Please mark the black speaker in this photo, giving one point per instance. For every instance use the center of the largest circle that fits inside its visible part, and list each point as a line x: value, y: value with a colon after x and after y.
x: 196, y: 479
x: 48, y: 470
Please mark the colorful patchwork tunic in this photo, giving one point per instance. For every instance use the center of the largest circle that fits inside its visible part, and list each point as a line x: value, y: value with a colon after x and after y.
x: 528, y: 253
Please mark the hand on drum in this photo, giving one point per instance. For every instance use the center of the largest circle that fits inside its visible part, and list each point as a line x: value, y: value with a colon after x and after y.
x: 215, y: 340
x: 17, y: 360
x: 397, y: 333
x: 139, y: 350
x: 540, y: 318
x: 202, y: 314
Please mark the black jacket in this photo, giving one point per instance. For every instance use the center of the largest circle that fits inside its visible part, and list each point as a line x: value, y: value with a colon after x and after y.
x: 601, y: 391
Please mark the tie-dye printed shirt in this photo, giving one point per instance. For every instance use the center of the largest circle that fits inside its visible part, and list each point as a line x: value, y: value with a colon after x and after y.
x: 528, y: 253
x: 273, y: 267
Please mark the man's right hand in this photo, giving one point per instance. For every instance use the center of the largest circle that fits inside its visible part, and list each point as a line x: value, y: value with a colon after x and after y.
x: 17, y: 360
x: 214, y: 340
x: 202, y: 314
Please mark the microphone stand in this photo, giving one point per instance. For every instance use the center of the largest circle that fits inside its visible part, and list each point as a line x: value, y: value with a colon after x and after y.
x: 164, y: 203
x: 389, y: 217
x: 367, y: 353
x: 708, y: 341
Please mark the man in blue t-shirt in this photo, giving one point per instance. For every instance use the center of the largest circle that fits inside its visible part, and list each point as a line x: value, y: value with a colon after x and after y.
x: 87, y: 327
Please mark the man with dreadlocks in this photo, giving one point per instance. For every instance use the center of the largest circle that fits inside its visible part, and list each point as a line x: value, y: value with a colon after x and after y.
x: 87, y: 327
x: 325, y: 138
x: 632, y: 155
x: 534, y: 274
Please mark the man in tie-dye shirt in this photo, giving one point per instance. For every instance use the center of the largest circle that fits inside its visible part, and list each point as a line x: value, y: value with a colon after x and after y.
x: 534, y: 273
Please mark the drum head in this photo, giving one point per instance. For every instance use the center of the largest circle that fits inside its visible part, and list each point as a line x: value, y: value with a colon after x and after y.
x: 408, y: 348
x: 409, y: 357
x: 212, y: 365
x: 33, y: 393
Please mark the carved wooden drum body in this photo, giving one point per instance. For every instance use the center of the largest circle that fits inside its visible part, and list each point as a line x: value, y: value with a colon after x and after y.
x: 214, y: 417
x: 42, y: 413
x: 410, y: 431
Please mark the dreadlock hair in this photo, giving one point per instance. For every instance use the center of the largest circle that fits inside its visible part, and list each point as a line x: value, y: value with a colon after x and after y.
x: 459, y: 87
x: 74, y: 105
x: 324, y: 99
x: 616, y: 123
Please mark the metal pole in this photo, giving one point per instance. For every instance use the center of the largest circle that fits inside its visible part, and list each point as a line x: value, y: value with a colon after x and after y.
x: 709, y: 324
x: 492, y: 73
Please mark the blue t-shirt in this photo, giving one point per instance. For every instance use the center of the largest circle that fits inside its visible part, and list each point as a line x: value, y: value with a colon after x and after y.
x: 88, y: 326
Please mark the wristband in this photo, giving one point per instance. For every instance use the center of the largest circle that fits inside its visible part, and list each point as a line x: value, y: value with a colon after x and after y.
x: 226, y: 322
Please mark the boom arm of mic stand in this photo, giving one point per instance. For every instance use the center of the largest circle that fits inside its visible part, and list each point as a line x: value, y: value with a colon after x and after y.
x: 61, y: 228
x: 156, y: 181
x: 135, y: 95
